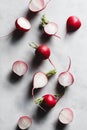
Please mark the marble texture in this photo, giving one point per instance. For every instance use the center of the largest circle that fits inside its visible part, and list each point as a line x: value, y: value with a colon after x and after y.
x: 15, y: 95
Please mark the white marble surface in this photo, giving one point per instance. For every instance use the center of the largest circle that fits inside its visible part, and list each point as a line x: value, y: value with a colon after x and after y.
x: 15, y: 96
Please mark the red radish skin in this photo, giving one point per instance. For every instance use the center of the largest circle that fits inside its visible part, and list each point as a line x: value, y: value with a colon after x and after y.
x: 24, y: 122
x: 23, y: 24
x: 73, y: 23
x: 37, y: 5
x: 66, y: 79
x: 49, y: 100
x: 19, y: 68
x: 66, y: 116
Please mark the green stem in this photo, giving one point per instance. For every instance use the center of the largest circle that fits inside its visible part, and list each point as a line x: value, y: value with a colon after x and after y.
x: 44, y: 21
x: 38, y: 100
x: 33, y: 45
x: 51, y: 73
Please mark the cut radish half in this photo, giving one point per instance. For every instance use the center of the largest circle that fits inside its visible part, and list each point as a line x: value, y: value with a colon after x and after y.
x: 19, y: 68
x: 24, y: 122
x: 36, y: 5
x: 66, y: 116
x: 66, y: 79
x: 23, y: 24
x: 51, y: 28
x: 40, y: 80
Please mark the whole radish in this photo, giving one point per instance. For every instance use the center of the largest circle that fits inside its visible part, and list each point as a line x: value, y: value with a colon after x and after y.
x: 37, y: 5
x: 73, y: 23
x: 66, y: 116
x: 42, y: 52
x: 47, y: 100
x: 23, y: 24
x: 65, y: 78
x: 40, y: 79
x: 19, y: 68
x: 50, y: 28
x: 24, y: 122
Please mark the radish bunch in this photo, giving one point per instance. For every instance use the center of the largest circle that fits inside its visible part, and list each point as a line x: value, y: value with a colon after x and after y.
x: 50, y: 28
x: 19, y: 68
x: 73, y: 23
x: 37, y: 5
x: 66, y: 116
x: 65, y: 78
x: 40, y: 79
x: 24, y: 122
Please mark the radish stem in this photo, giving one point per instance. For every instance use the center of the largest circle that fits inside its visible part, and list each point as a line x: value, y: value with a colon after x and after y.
x: 51, y: 72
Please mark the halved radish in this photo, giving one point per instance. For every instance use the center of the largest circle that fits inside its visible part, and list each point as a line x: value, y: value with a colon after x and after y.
x: 37, y: 5
x: 23, y: 24
x: 50, y: 28
x: 65, y: 78
x: 19, y: 67
x: 40, y: 79
x: 66, y: 116
x: 24, y: 122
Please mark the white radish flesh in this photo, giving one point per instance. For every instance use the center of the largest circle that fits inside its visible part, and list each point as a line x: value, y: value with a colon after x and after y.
x: 19, y: 67
x: 36, y: 5
x: 24, y: 122
x: 66, y: 116
x: 40, y: 80
x: 51, y: 28
x: 23, y: 24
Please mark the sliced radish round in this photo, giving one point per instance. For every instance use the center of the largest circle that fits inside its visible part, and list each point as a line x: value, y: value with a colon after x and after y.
x: 36, y: 5
x: 23, y: 24
x: 66, y: 116
x: 66, y: 79
x: 24, y: 122
x: 19, y: 67
x: 51, y: 28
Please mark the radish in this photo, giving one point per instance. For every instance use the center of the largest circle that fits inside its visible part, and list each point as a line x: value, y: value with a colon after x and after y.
x: 37, y: 5
x: 23, y: 24
x: 42, y: 52
x: 40, y: 79
x: 24, y: 122
x: 19, y: 68
x: 73, y: 23
x: 50, y: 28
x: 66, y: 116
x: 65, y: 78
x: 47, y: 100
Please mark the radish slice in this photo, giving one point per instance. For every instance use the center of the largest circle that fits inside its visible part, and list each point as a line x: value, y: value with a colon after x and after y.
x: 24, y: 122
x: 40, y: 80
x: 23, y: 24
x: 37, y: 5
x: 51, y: 28
x: 66, y: 79
x: 66, y: 116
x: 19, y: 68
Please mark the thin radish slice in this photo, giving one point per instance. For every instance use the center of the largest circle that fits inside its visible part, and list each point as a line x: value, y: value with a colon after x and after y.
x: 24, y: 122
x: 66, y: 116
x: 19, y: 67
x: 37, y: 5
x: 23, y: 24
x: 66, y: 79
